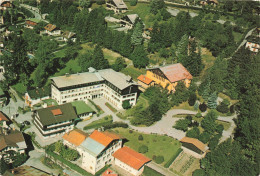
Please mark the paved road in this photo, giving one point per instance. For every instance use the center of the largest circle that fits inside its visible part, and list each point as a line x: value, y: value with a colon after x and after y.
x: 35, y: 11
x: 244, y: 41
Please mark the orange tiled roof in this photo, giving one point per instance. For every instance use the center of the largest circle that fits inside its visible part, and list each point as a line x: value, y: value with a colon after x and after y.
x: 145, y: 79
x: 131, y: 157
x: 2, y: 117
x: 104, y: 138
x: 109, y: 172
x: 176, y: 72
x: 195, y: 142
x: 50, y: 27
x: 75, y: 137
x: 56, y: 112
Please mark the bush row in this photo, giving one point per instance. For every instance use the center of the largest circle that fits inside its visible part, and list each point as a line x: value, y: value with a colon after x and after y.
x: 97, y: 125
x: 115, y: 125
x: 110, y: 107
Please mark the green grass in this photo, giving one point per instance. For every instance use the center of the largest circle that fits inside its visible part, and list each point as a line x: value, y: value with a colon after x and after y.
x: 157, y: 144
x: 141, y: 102
x: 150, y: 172
x: 223, y: 96
x: 50, y: 102
x: 60, y: 53
x: 133, y: 72
x: 237, y: 36
x: 225, y: 124
x: 71, y: 67
x: 184, y: 105
x: 98, y: 123
x: 81, y: 107
x: 20, y: 89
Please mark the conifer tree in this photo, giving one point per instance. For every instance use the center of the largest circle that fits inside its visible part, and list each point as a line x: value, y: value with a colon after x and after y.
x: 137, y: 37
x: 212, y: 100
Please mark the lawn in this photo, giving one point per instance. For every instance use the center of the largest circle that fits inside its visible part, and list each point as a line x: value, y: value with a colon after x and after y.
x: 98, y: 123
x: 184, y: 105
x: 207, y: 59
x: 71, y: 67
x: 133, y: 72
x: 225, y: 124
x: 20, y: 89
x: 60, y: 53
x: 50, y: 102
x: 237, y: 36
x: 157, y: 144
x: 223, y: 96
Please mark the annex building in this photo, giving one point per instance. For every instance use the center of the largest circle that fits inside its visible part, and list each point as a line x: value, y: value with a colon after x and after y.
x: 114, y: 86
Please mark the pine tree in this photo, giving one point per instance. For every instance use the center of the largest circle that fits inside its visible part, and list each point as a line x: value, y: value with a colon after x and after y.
x: 3, y: 166
x: 99, y: 62
x: 212, y: 101
x: 139, y: 57
x: 182, y: 48
x: 137, y: 36
x: 125, y: 46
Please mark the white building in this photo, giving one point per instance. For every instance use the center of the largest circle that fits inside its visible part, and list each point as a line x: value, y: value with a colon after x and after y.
x: 54, y: 120
x: 52, y: 30
x: 130, y: 160
x: 97, y: 150
x: 114, y: 86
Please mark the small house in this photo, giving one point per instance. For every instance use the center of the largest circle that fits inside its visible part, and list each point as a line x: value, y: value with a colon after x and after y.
x: 196, y: 147
x: 82, y: 109
x: 4, y: 121
x: 52, y: 30
x: 128, y: 21
x: 33, y: 97
x: 67, y: 35
x: 130, y: 160
x: 118, y: 6
x: 144, y: 82
x: 5, y: 4
x: 31, y: 23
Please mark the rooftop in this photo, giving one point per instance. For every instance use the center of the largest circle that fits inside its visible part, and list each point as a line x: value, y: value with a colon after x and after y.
x: 50, y: 27
x: 39, y: 92
x: 132, y: 17
x: 12, y: 138
x: 68, y: 34
x: 109, y: 172
x: 195, y: 142
x: 92, y: 146
x: 131, y: 157
x: 81, y: 107
x: 3, y: 117
x: 118, y: 79
x: 47, y: 117
x: 145, y: 79
x: 120, y: 4
x: 175, y: 72
x: 104, y: 138
x: 75, y: 137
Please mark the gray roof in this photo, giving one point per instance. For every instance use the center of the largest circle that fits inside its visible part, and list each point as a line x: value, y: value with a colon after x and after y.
x: 46, y: 116
x: 118, y: 79
x: 93, y: 147
x: 132, y: 17
x: 75, y: 79
x: 120, y: 4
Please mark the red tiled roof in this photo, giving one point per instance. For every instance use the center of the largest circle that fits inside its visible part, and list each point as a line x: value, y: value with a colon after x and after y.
x: 176, y: 72
x: 56, y: 112
x: 109, y: 172
x: 145, y: 79
x: 75, y: 137
x: 104, y: 138
x: 131, y: 157
x: 50, y: 27
x: 2, y: 117
x: 195, y: 142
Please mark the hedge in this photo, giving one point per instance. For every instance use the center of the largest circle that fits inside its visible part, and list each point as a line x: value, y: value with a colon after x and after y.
x: 68, y: 163
x: 97, y: 125
x: 110, y: 107
x: 115, y: 125
x: 167, y: 165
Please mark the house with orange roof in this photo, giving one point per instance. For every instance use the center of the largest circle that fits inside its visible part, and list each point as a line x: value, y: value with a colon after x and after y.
x: 144, y: 82
x: 52, y: 30
x: 194, y: 146
x: 4, y: 121
x: 130, y: 160
x: 74, y: 138
x: 109, y: 172
x: 97, y: 150
x: 168, y: 76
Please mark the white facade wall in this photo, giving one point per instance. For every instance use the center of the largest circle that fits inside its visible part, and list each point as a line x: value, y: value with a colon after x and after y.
x: 53, y: 33
x: 91, y: 92
x: 129, y: 168
x: 94, y: 164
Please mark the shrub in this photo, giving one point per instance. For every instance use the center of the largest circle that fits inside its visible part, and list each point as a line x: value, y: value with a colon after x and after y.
x: 140, y: 137
x: 232, y: 109
x: 198, y: 115
x: 193, y: 133
x: 189, y: 117
x: 182, y: 124
x: 199, y: 172
x: 192, y: 99
x: 143, y: 149
x: 220, y: 129
x: 115, y: 125
x: 196, y: 106
x: 159, y: 159
x: 167, y: 165
x: 204, y: 137
x: 133, y: 2
x: 203, y: 107
x: 214, y: 142
x: 130, y: 131
x: 126, y: 104
x: 100, y: 2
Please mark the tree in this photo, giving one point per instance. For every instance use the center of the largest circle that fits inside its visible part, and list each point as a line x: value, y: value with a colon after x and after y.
x: 199, y: 172
x: 193, y: 133
x: 3, y: 166
x: 19, y: 160
x: 203, y: 107
x: 192, y: 99
x: 126, y: 104
x: 156, y: 5
x: 212, y: 101
x: 159, y: 159
x: 143, y: 149
x: 208, y: 123
x: 99, y: 62
x: 140, y: 137
x: 182, y: 48
x: 223, y: 108
x: 119, y: 64
x: 84, y: 3
x: 219, y: 129
x: 58, y: 147
x: 182, y: 124
x: 204, y: 137
x: 139, y: 57
x: 137, y: 35
x: 133, y: 2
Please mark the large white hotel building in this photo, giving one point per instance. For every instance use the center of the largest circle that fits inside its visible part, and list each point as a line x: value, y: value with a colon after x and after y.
x: 114, y: 86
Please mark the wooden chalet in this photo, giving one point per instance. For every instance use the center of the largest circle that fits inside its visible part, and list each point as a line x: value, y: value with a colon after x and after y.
x: 118, y: 6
